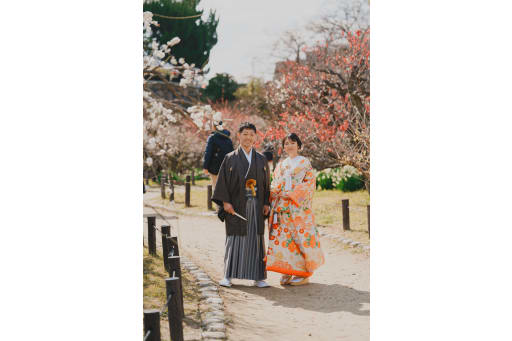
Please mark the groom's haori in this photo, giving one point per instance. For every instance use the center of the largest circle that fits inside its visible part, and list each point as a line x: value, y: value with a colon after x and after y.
x: 230, y: 188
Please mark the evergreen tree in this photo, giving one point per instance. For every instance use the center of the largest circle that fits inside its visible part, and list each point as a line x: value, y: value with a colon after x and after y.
x: 220, y: 87
x: 197, y: 36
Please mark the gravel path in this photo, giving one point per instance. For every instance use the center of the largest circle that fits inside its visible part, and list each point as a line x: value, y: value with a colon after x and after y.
x: 334, y: 306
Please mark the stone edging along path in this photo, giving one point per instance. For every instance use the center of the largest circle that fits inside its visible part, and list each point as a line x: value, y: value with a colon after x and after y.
x: 211, y: 306
x: 346, y: 241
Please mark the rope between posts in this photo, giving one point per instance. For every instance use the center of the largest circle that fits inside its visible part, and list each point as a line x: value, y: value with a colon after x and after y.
x: 166, y: 236
x: 178, y: 225
x: 166, y: 305
x: 161, y: 233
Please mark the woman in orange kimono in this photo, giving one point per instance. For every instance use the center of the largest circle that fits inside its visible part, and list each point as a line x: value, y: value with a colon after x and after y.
x: 294, y: 245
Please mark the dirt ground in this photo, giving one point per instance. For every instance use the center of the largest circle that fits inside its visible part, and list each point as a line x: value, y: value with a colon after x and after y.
x: 334, y: 306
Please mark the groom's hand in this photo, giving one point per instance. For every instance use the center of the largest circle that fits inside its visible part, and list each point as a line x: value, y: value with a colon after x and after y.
x: 266, y: 210
x: 229, y: 208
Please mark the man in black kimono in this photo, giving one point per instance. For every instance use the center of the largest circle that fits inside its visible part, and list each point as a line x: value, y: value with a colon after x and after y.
x: 245, y: 246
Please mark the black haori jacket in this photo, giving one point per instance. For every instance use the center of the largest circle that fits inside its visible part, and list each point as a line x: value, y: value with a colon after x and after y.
x: 230, y: 187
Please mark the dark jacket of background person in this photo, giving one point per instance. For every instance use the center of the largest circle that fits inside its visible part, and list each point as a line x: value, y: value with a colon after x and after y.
x: 217, y: 146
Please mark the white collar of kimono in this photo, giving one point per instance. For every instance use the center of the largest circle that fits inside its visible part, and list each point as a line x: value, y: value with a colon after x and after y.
x: 248, y: 156
x: 294, y: 162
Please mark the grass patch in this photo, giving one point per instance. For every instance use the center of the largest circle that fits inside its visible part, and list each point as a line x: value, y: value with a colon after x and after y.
x: 154, y: 281
x: 203, y: 183
x: 152, y: 183
x: 198, y: 196
x: 198, y: 183
x: 326, y: 205
x: 155, y: 294
x: 327, y: 208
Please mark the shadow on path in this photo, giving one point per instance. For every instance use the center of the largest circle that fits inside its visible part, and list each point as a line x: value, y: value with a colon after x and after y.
x: 325, y: 298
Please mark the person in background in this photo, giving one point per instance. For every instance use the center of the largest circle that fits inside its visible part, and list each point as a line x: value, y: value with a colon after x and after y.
x: 268, y: 152
x: 218, y: 145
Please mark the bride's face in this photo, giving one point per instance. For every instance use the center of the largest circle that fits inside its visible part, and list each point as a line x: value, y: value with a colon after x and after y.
x: 291, y: 147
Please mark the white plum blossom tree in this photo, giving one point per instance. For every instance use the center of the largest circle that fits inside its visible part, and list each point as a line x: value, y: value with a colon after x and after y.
x: 166, y: 121
x: 204, y: 116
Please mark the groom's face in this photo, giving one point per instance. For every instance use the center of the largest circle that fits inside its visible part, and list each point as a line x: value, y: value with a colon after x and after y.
x: 247, y: 138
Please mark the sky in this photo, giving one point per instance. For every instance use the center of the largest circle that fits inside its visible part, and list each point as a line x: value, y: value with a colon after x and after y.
x: 247, y: 30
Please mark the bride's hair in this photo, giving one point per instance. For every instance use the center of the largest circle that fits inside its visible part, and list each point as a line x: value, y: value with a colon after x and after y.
x: 293, y: 137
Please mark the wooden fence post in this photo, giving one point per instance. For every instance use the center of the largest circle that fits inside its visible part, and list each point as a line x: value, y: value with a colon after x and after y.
x: 187, y: 192
x: 166, y: 232
x: 146, y: 177
x: 152, y: 324
x: 346, y: 217
x: 368, y: 215
x: 143, y: 187
x: 175, y: 271
x: 171, y: 196
x: 174, y: 261
x: 193, y: 176
x: 152, y: 234
x: 162, y: 186
x: 209, y: 198
x: 175, y: 314
x: 174, y: 245
x: 174, y: 265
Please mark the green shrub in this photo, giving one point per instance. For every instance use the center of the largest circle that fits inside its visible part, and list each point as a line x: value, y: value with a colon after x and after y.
x: 346, y: 179
x: 198, y: 175
x: 176, y: 177
x: 324, y: 179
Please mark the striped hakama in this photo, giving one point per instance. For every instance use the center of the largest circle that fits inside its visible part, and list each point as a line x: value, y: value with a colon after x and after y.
x: 244, y: 254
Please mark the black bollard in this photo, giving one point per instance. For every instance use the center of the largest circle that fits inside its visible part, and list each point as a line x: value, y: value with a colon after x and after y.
x: 209, y: 199
x: 171, y: 196
x: 152, y: 324
x: 175, y: 269
x: 187, y: 192
x: 146, y: 178
x: 174, y: 263
x: 175, y: 314
x: 174, y: 245
x: 166, y: 232
x: 346, y: 218
x: 162, y: 187
x: 152, y: 235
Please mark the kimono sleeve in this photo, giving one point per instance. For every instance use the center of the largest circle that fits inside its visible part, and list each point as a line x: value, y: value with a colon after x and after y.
x: 221, y: 193
x: 303, y: 192
x: 275, y: 187
x: 267, y: 184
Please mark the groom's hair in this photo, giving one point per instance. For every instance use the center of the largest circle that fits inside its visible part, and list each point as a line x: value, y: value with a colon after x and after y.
x: 246, y: 125
x: 293, y: 137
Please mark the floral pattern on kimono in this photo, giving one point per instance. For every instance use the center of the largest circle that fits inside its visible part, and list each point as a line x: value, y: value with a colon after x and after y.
x: 294, y: 245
